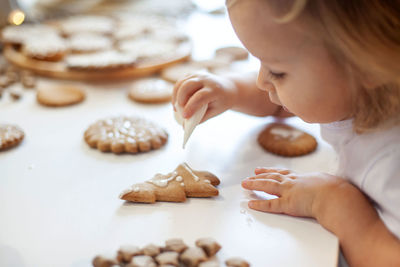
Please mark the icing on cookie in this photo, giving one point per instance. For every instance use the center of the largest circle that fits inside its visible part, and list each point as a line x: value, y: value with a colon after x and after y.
x: 286, y: 133
x: 162, y: 180
x: 179, y: 179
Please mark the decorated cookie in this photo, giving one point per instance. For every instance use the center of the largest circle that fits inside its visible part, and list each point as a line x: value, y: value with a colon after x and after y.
x: 148, y: 48
x: 59, y: 95
x: 209, y: 245
x: 106, y: 60
x: 18, y: 35
x: 125, y: 135
x: 104, y: 261
x: 126, y: 253
x: 286, y: 140
x: 89, y: 42
x: 86, y: 23
x: 49, y: 48
x: 232, y: 52
x: 173, y: 187
x: 175, y: 244
x: 10, y: 136
x: 151, y: 90
x: 191, y: 257
x: 179, y: 71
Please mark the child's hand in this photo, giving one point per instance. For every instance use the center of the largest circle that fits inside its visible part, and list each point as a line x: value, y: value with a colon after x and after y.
x: 197, y: 90
x: 298, y: 195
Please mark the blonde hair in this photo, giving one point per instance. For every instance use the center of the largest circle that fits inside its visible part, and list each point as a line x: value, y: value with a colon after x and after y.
x: 365, y: 37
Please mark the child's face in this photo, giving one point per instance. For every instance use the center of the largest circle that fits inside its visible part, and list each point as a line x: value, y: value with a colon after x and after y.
x: 296, y: 68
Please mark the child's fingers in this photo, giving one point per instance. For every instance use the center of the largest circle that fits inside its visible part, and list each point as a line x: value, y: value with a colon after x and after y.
x: 266, y: 185
x: 274, y: 176
x: 177, y: 85
x: 273, y: 205
x: 196, y: 101
x: 259, y: 170
x: 187, y: 89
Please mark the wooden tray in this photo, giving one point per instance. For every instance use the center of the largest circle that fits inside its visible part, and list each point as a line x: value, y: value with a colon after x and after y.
x: 59, y: 70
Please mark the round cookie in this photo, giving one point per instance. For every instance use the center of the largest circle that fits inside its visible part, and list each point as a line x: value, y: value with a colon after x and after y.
x: 10, y: 136
x: 125, y: 135
x: 89, y: 42
x: 151, y: 90
x: 232, y: 52
x: 59, y: 95
x: 287, y: 141
x: 179, y: 71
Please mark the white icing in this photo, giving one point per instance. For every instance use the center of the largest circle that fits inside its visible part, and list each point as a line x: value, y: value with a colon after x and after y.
x: 162, y: 180
x: 195, y: 177
x: 207, y: 181
x: 136, y: 189
x: 179, y: 179
x: 182, y: 184
x: 286, y: 133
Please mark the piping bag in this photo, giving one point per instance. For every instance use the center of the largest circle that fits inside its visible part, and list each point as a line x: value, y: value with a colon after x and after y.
x: 190, y: 123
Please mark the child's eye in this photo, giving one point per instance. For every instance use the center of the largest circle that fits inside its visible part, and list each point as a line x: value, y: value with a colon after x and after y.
x: 276, y: 75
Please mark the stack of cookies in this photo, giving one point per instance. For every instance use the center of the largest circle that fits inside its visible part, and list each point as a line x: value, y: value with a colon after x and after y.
x: 97, y: 43
x: 175, y: 253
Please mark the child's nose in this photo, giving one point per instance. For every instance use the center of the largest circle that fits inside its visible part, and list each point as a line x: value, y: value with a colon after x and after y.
x: 263, y: 82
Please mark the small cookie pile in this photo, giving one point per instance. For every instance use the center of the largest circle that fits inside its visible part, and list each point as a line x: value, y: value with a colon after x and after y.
x: 285, y: 140
x: 173, y: 187
x: 175, y: 253
x: 125, y: 135
x: 9, y: 75
x: 10, y: 136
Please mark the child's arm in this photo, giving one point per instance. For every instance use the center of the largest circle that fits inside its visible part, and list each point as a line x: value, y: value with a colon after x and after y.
x: 237, y: 92
x: 337, y: 205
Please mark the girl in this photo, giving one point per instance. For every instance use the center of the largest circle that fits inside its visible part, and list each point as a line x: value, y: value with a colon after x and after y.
x: 337, y: 63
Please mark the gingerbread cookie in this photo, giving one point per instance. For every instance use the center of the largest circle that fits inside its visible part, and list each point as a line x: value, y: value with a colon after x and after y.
x: 285, y: 140
x: 151, y: 90
x: 173, y: 187
x: 236, y: 262
x: 50, y: 48
x: 147, y: 48
x: 17, y: 35
x: 103, y: 60
x: 125, y: 135
x: 89, y: 42
x: 86, y: 23
x: 179, y: 71
x: 59, y: 95
x: 232, y: 52
x: 10, y: 136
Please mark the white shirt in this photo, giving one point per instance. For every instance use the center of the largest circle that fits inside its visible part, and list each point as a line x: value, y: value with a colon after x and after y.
x: 370, y: 161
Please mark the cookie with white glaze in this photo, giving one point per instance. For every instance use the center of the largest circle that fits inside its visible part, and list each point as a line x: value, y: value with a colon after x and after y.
x: 173, y: 187
x: 151, y: 90
x: 285, y: 140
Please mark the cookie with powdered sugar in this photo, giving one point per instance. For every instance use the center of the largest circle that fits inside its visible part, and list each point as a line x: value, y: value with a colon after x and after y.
x: 285, y: 140
x: 125, y: 134
x: 86, y: 23
x: 89, y: 42
x: 10, y: 136
x: 105, y: 60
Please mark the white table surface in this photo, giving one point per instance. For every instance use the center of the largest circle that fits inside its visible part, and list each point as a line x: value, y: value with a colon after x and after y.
x: 59, y: 202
